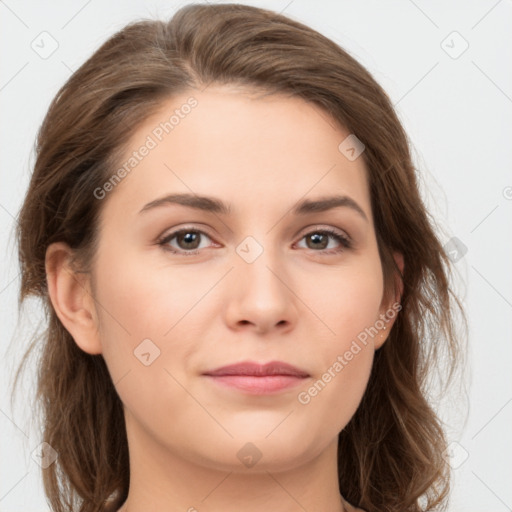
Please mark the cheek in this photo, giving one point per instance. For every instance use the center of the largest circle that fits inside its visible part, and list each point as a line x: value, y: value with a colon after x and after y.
x: 142, y: 300
x: 335, y: 392
x: 140, y: 314
x: 348, y: 302
x: 346, y: 351
x: 142, y: 328
x: 333, y: 397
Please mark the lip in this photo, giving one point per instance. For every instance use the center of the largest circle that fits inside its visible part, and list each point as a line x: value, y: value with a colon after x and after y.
x: 258, y: 379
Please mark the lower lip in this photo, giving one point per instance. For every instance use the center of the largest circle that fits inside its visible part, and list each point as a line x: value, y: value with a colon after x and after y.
x: 258, y: 385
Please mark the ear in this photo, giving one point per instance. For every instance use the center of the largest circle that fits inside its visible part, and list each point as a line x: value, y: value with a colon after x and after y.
x: 71, y: 297
x: 389, y: 309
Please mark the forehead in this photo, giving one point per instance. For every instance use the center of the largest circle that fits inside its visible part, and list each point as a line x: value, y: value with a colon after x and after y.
x: 241, y: 145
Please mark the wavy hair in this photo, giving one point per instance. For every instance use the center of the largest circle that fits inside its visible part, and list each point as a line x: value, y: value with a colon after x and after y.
x: 391, y: 453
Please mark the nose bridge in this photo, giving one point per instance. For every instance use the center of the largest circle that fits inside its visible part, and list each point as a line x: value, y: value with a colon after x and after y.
x: 262, y: 263
x: 261, y: 293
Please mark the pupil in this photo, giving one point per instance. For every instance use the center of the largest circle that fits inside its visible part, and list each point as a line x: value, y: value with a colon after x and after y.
x: 316, y: 236
x: 189, y: 238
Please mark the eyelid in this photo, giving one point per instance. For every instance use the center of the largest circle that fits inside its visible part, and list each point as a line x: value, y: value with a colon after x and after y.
x: 327, y: 228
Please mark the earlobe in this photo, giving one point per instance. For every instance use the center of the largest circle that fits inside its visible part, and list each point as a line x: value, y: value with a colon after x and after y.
x: 70, y: 295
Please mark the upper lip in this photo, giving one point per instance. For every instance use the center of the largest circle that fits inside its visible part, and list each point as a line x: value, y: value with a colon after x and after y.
x: 256, y: 369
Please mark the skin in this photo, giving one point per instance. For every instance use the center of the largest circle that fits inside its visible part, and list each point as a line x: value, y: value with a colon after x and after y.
x: 292, y: 303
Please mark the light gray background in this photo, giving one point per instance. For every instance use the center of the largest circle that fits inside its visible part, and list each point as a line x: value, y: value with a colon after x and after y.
x: 457, y: 108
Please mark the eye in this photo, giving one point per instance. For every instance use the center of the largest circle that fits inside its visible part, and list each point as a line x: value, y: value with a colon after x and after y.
x: 319, y: 240
x: 188, y: 241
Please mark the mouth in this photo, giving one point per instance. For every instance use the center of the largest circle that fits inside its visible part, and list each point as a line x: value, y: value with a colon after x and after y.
x: 258, y: 379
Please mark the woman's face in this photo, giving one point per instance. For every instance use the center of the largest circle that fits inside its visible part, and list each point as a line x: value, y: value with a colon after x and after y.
x: 255, y: 280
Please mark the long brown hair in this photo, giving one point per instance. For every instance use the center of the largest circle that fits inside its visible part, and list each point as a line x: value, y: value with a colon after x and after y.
x: 391, y: 453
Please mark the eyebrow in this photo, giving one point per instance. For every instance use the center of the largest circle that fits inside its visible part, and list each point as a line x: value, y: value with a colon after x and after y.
x: 214, y: 205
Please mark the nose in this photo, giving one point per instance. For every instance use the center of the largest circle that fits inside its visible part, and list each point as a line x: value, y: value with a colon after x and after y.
x: 261, y: 296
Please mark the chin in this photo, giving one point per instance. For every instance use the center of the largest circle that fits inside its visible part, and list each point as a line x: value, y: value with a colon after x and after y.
x: 258, y: 453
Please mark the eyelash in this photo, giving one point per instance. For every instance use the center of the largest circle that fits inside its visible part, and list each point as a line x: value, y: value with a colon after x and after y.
x: 341, y: 238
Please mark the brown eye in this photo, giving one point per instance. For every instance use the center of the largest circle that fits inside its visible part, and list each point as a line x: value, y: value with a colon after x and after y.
x: 319, y: 240
x: 187, y: 241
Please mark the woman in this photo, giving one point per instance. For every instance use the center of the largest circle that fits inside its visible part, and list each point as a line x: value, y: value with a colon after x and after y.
x: 241, y: 279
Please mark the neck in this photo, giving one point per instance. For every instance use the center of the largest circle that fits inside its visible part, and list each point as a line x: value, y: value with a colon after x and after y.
x: 161, y: 479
